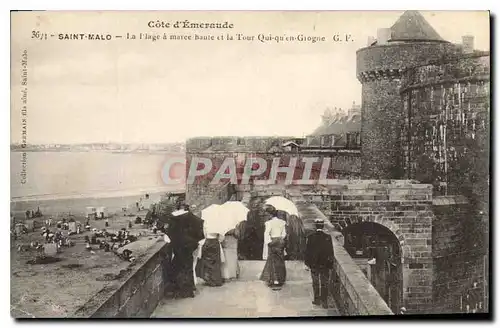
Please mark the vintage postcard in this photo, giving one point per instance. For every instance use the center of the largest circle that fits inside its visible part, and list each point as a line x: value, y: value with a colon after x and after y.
x: 197, y: 164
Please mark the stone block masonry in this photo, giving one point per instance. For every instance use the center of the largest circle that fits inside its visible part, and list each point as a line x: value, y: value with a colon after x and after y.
x: 460, y: 275
x: 404, y: 208
x: 379, y: 69
x: 137, y: 296
x: 446, y: 131
x: 350, y: 289
x: 381, y: 114
x: 200, y: 196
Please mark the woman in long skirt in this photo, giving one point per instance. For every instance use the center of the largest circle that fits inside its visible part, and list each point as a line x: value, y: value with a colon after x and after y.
x: 274, y: 273
x: 209, y: 266
x: 230, y: 267
x: 295, y: 238
x: 184, y: 231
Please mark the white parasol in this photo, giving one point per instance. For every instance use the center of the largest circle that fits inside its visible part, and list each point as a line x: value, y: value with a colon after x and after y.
x: 210, y: 212
x: 283, y: 204
x: 234, y: 212
x: 223, y: 218
x: 210, y: 215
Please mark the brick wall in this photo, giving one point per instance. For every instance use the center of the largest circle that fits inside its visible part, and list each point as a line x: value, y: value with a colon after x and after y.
x: 403, y: 208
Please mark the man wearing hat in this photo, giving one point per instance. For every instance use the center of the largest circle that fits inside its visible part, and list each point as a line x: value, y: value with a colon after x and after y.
x: 319, y: 258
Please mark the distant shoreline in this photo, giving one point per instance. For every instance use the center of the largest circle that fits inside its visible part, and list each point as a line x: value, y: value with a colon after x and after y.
x: 64, y: 205
x: 96, y: 194
x: 120, y: 148
x: 52, y: 150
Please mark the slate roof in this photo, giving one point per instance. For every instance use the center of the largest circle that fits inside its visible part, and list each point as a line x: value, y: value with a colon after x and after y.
x: 412, y: 26
x: 340, y: 126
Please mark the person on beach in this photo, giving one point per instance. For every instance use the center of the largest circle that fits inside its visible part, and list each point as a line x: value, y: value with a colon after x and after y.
x: 210, y: 259
x: 274, y: 273
x: 319, y: 259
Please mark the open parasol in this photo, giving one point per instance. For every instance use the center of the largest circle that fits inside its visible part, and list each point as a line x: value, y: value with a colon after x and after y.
x: 283, y: 204
x: 234, y: 212
x: 223, y: 218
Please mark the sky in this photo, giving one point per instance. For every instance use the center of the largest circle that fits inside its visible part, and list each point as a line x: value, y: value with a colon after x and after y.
x: 140, y: 91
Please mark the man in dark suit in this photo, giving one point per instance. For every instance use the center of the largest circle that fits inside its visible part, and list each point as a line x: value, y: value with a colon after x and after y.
x: 319, y: 258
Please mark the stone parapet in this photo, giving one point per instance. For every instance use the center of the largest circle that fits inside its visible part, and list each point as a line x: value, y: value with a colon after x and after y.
x: 137, y: 295
x: 350, y: 289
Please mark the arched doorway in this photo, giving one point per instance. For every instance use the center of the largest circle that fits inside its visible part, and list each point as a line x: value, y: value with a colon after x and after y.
x: 378, y: 253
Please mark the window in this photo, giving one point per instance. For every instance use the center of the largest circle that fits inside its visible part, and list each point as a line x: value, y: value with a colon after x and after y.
x: 240, y: 142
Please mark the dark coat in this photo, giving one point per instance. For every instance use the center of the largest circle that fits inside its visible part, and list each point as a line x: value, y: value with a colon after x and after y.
x: 185, y: 231
x: 319, y: 251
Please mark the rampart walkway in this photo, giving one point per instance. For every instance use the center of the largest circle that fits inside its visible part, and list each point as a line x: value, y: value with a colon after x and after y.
x: 248, y: 297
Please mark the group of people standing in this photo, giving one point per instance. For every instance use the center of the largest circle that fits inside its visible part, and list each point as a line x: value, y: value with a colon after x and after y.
x: 213, y: 257
x: 217, y: 257
x: 197, y: 253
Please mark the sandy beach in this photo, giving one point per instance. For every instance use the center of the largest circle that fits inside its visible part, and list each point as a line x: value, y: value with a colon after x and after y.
x: 62, y: 205
x: 58, y: 289
x: 61, y: 288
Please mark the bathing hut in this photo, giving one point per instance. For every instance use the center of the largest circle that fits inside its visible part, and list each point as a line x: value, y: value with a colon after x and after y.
x: 91, y: 212
x: 101, y: 212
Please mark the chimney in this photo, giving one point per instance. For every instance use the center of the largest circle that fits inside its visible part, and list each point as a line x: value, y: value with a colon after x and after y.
x: 355, y: 109
x: 468, y: 43
x: 383, y: 35
x: 370, y: 41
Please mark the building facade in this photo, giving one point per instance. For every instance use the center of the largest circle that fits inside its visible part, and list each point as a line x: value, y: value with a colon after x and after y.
x: 338, y: 130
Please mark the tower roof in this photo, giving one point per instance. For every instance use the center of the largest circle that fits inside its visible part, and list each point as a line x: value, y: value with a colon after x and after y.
x: 412, y: 26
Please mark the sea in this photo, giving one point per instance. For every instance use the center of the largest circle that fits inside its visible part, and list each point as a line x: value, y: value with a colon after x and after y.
x: 79, y: 179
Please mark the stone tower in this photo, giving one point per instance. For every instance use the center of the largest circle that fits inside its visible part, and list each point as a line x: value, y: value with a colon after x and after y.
x: 410, y: 42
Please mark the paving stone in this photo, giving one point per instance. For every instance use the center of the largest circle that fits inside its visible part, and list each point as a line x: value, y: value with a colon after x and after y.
x: 245, y: 299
